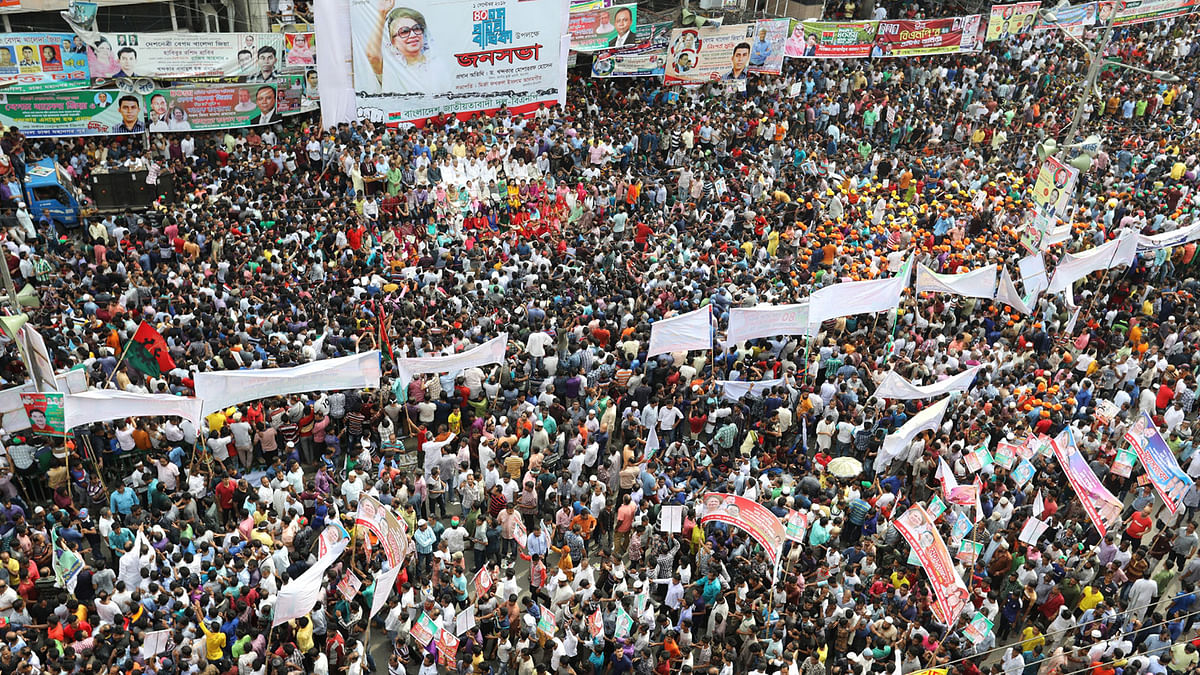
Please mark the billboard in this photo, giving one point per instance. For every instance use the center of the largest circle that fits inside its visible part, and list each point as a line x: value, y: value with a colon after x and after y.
x: 423, y: 59
x: 646, y: 62
x: 1134, y: 11
x: 300, y: 51
x: 217, y: 57
x: 1008, y: 20
x: 766, y: 50
x: 603, y: 27
x: 213, y: 107
x: 1073, y: 19
x: 1055, y: 186
x: 43, y: 62
x: 697, y: 55
x: 84, y: 112
x: 831, y: 39
x: 933, y: 36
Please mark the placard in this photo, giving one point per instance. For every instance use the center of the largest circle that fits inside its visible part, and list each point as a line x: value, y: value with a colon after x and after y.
x: 43, y: 62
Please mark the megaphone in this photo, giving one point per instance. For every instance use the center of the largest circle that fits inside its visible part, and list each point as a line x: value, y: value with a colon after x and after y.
x: 28, y: 297
x: 1046, y: 149
x: 714, y: 23
x: 1082, y: 162
x: 687, y: 18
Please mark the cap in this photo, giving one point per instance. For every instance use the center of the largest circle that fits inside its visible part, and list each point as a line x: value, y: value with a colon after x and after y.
x: 422, y: 522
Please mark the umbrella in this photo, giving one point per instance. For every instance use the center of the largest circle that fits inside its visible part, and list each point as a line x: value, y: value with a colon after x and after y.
x: 844, y: 467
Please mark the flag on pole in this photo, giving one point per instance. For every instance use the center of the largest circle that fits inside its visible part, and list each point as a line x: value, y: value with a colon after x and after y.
x: 148, y: 352
x: 66, y: 563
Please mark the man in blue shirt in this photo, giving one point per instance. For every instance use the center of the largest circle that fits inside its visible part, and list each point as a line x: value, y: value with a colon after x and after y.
x: 121, y: 502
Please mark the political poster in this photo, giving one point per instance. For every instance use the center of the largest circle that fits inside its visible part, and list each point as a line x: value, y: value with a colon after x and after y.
x: 196, y: 57
x: 417, y: 60
x: 212, y: 107
x: 593, y: 28
x: 1024, y: 472
x: 831, y: 39
x: 918, y: 530
x: 292, y: 97
x: 697, y: 55
x: 624, y: 624
x: 332, y: 534
x: 45, y: 412
x: 43, y: 62
x: 968, y: 552
x: 1122, y: 464
x: 349, y: 585
x: 637, y: 62
x: 380, y: 521
x: 1102, y: 507
x: 595, y: 624
x: 978, y: 629
x: 1072, y: 19
x: 424, y: 629
x: 447, y: 648
x: 757, y: 520
x: 1005, y: 21
x: 654, y: 34
x: 766, y: 49
x: 1169, y: 480
x: 1129, y: 12
x: 483, y: 582
x: 936, y: 507
x: 932, y: 36
x: 67, y: 113
x: 1054, y: 186
x: 300, y: 51
x: 547, y: 624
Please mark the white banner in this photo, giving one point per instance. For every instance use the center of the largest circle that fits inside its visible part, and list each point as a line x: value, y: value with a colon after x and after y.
x: 856, y: 297
x: 385, y: 583
x: 1075, y: 266
x: 1167, y: 239
x: 103, y: 406
x: 894, y: 386
x: 335, y: 81
x: 413, y: 60
x: 734, y: 390
x: 1006, y: 293
x: 298, y: 596
x: 218, y: 57
x: 487, y: 353
x: 682, y: 333
x: 224, y: 388
x: 1033, y: 273
x: 897, y: 441
x: 747, y: 323
x: 980, y: 283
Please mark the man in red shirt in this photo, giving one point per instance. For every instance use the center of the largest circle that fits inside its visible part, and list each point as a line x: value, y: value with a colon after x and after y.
x: 1137, y: 526
x: 224, y: 492
x: 624, y: 524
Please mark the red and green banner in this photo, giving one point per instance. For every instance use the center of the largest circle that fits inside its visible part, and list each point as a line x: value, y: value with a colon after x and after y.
x: 148, y: 352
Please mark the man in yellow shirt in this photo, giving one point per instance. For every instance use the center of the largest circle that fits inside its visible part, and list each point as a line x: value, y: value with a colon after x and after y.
x: 214, y: 639
x: 1091, y: 597
x: 1031, y: 639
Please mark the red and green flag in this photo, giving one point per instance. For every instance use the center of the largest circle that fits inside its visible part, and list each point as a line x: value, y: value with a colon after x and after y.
x: 148, y: 352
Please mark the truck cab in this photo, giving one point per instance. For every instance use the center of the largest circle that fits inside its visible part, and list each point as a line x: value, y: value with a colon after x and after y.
x: 49, y: 188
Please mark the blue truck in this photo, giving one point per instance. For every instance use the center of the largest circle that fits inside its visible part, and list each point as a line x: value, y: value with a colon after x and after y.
x: 48, y: 187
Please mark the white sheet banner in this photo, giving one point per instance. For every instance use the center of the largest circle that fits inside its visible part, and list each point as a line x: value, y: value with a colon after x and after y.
x: 1007, y: 293
x: 856, y: 297
x: 1075, y: 266
x: 298, y: 596
x: 897, y: 441
x: 105, y: 405
x: 229, y: 387
x: 1167, y: 239
x: 980, y: 283
x: 894, y: 386
x: 1033, y: 273
x: 485, y: 354
x: 747, y: 323
x: 734, y: 390
x: 385, y: 583
x: 335, y: 78
x: 682, y: 333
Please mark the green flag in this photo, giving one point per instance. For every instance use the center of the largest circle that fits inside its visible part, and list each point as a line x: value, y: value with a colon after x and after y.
x: 66, y: 564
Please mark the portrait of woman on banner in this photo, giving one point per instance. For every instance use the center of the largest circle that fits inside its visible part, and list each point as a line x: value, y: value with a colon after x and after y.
x: 400, y: 50
x: 102, y: 62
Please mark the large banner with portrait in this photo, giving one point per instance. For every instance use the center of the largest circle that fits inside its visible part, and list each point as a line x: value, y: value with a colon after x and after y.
x: 66, y: 113
x: 1169, y: 479
x: 638, y: 62
x: 766, y: 49
x: 603, y: 27
x: 1072, y: 19
x: 697, y: 55
x: 216, y: 57
x: 1129, y: 13
x: 1004, y: 21
x: 300, y: 51
x: 757, y: 520
x: 414, y: 60
x: 831, y: 39
x: 918, y: 529
x: 43, y: 62
x: 932, y: 36
x: 1055, y: 186
x: 212, y: 107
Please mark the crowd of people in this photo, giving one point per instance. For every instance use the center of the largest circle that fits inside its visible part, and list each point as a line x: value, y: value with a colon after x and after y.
x: 573, y: 230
